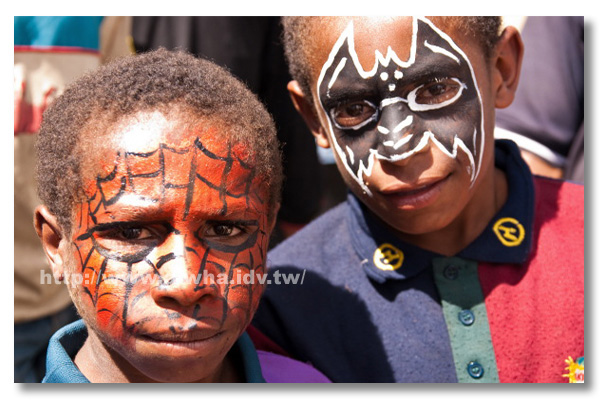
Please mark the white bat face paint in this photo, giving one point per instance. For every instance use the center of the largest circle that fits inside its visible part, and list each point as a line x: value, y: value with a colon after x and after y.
x: 398, y: 107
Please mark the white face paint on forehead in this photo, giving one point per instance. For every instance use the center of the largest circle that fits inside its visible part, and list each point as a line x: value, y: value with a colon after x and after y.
x: 394, y: 110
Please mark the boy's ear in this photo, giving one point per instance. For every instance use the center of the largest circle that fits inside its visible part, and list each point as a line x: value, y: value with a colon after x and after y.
x: 507, y: 66
x: 51, y: 235
x: 307, y: 112
x: 274, y: 222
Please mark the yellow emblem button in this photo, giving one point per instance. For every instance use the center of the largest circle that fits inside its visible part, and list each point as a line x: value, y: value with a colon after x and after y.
x: 509, y: 231
x: 388, y: 257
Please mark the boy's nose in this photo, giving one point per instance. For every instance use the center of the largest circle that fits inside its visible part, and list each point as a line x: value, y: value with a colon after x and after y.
x: 396, y: 132
x: 181, y: 278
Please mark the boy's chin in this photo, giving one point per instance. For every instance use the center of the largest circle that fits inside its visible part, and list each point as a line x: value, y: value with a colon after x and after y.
x: 193, y: 372
x: 423, y: 218
x: 144, y: 359
x: 176, y: 366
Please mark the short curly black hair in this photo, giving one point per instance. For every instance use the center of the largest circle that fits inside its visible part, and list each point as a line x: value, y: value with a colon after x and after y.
x: 159, y: 80
x: 297, y: 32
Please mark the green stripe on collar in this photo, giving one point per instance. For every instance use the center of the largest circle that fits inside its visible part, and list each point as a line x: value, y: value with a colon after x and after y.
x: 466, y: 319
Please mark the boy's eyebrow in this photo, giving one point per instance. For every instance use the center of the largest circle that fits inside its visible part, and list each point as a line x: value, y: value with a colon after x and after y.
x: 347, y: 92
x: 235, y: 211
x: 245, y: 222
x: 124, y: 224
x: 425, y: 71
x: 135, y: 206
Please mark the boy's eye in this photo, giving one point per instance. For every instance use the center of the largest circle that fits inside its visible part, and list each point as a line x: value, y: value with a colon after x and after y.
x: 436, y: 94
x: 127, y: 240
x: 353, y: 115
x: 229, y: 236
x: 125, y: 236
x: 134, y: 233
x: 222, y: 230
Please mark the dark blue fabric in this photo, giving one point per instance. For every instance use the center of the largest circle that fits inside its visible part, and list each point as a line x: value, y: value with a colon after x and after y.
x: 356, y: 323
x: 65, y: 344
x: 31, y: 344
x: 520, y: 205
x: 81, y: 32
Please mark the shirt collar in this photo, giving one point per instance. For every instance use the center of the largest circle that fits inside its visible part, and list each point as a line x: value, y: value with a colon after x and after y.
x: 506, y: 239
x: 252, y: 368
x: 66, y: 342
x: 62, y: 348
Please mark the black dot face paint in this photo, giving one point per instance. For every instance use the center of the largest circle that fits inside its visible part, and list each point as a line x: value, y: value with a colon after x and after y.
x: 398, y: 107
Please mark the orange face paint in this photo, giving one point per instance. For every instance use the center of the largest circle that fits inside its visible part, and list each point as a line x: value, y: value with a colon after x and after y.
x: 171, y: 246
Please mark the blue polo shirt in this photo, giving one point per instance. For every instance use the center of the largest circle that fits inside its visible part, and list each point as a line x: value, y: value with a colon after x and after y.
x: 66, y: 342
x: 371, y: 308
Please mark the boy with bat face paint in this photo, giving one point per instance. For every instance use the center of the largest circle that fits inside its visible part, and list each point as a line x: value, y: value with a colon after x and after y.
x: 442, y: 265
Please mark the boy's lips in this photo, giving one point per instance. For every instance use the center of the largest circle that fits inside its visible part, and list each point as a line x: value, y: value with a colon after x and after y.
x: 414, y: 196
x: 182, y: 337
x: 182, y: 343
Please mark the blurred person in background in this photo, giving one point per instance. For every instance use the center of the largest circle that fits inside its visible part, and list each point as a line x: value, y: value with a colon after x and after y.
x: 546, y: 118
x: 50, y: 52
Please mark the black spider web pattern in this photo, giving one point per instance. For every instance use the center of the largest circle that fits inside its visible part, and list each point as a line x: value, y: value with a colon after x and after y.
x: 126, y: 183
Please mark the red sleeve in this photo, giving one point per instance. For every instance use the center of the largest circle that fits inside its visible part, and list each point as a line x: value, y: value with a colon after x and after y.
x: 536, y: 310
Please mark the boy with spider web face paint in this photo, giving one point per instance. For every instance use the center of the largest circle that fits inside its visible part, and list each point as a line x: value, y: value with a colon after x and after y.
x: 445, y: 235
x: 160, y: 175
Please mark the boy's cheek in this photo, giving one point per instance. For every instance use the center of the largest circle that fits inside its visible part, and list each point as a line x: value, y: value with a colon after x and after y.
x: 109, y: 310
x: 85, y: 268
x: 102, y: 292
x: 111, y: 292
x: 243, y: 281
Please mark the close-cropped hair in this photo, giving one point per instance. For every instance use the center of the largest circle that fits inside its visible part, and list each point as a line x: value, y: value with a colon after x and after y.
x: 298, y: 32
x: 159, y: 80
